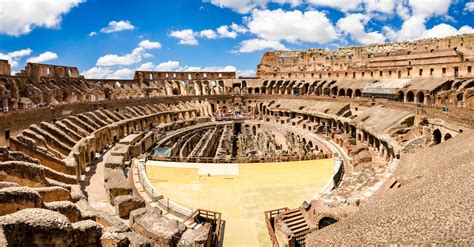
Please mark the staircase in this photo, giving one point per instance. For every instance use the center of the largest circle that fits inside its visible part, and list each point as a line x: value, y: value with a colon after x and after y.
x: 296, y: 222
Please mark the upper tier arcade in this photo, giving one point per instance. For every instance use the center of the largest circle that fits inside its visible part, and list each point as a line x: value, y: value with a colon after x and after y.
x: 447, y: 57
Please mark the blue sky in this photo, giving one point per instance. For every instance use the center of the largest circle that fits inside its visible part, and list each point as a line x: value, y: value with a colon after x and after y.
x: 112, y: 38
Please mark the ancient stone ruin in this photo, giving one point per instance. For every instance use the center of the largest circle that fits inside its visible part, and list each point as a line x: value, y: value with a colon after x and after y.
x: 395, y: 118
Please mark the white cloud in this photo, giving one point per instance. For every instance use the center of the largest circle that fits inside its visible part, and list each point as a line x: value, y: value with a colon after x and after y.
x: 292, y: 26
x: 227, y: 68
x: 245, y: 6
x: 208, y: 34
x: 224, y: 32
x: 165, y: 66
x: 168, y: 66
x: 246, y: 73
x: 92, y: 34
x: 252, y: 45
x: 469, y: 6
x: 414, y: 28
x: 14, y: 56
x: 123, y: 74
x: 19, y: 17
x: 414, y: 25
x: 186, y: 36
x: 130, y: 58
x: 445, y: 30
x: 43, y: 57
x: 176, y: 66
x: 343, y: 5
x: 354, y: 25
x: 238, y: 28
x: 99, y: 72
x: 108, y: 73
x: 147, y: 44
x: 403, y: 11
x: 134, y: 57
x: 117, y: 26
x: 430, y: 8
x: 148, y: 66
x: 383, y: 6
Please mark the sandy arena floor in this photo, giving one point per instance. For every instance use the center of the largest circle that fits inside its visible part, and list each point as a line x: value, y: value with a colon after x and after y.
x: 241, y: 192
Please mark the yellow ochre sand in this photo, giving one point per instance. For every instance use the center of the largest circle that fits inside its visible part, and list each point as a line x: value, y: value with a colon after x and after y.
x: 242, y: 199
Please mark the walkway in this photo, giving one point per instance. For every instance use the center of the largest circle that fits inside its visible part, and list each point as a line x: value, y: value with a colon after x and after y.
x: 93, y: 185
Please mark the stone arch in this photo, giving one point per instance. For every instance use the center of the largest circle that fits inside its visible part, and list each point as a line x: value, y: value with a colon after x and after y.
x: 447, y: 136
x: 342, y: 92
x: 357, y: 93
x: 410, y: 97
x: 437, y: 136
x: 459, y: 97
x: 401, y: 96
x: 175, y: 91
x: 326, y: 221
x: 420, y: 97
x: 349, y: 93
x: 326, y: 91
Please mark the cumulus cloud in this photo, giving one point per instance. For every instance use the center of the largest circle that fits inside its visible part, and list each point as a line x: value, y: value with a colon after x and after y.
x: 238, y: 28
x: 189, y: 37
x: 245, y: 6
x: 225, y: 32
x: 416, y: 14
x: 108, y: 73
x: 469, y: 7
x: 354, y: 25
x: 344, y: 5
x: 252, y: 45
x: 117, y: 26
x: 429, y: 8
x: 134, y: 57
x: 186, y: 36
x: 164, y: 66
x: 168, y: 66
x: 383, y: 6
x: 14, y: 56
x: 19, y: 17
x: 130, y: 58
x: 99, y: 72
x: 92, y: 34
x: 246, y: 73
x: 293, y: 26
x: 445, y: 30
x: 43, y: 57
x: 147, y: 44
x: 208, y: 34
x: 418, y: 23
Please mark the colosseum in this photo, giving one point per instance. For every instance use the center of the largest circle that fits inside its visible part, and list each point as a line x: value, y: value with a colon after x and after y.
x: 362, y: 145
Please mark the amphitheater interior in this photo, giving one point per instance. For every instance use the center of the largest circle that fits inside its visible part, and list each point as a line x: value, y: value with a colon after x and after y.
x: 366, y: 145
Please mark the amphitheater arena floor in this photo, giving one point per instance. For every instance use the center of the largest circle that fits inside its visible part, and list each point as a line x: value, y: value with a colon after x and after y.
x: 241, y: 192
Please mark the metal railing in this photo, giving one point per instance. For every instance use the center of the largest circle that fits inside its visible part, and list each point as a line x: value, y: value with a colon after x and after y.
x: 274, y: 158
x: 146, y: 184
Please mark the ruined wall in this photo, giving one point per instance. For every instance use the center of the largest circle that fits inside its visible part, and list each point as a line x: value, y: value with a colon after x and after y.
x: 447, y: 57
x: 5, y: 68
